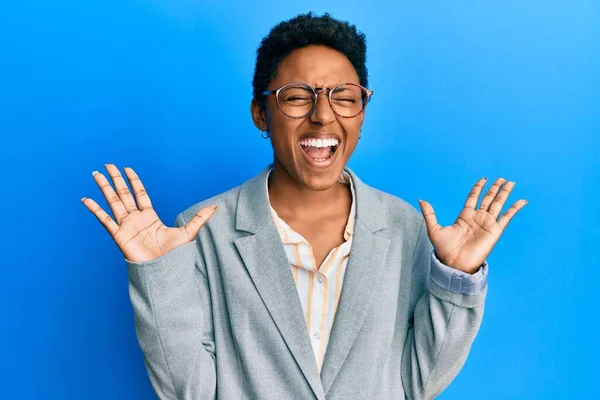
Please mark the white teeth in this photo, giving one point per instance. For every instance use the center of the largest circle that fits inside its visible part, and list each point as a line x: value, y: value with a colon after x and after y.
x: 319, y: 142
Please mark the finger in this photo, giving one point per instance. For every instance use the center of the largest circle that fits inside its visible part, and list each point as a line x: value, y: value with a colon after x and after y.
x: 121, y: 188
x: 429, y: 215
x: 114, y: 202
x: 491, y: 194
x: 141, y: 196
x: 498, y: 203
x: 191, y: 228
x: 105, y: 219
x: 473, y: 197
x: 510, y: 213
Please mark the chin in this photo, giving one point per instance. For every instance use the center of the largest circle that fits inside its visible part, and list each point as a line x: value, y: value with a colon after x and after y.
x: 320, y: 184
x: 318, y: 180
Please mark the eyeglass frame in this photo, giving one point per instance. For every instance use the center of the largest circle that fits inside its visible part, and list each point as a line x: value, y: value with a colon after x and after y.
x: 329, y: 91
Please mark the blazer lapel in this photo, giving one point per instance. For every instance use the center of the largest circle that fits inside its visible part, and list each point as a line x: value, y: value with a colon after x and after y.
x: 366, y: 266
x: 265, y: 259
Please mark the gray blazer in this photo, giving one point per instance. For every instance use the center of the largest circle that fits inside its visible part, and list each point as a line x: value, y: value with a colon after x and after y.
x: 220, y: 317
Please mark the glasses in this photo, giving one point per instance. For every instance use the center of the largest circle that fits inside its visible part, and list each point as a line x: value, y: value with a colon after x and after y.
x: 297, y: 99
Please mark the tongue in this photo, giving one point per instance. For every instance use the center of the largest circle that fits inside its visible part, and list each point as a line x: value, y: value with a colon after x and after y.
x: 318, y: 153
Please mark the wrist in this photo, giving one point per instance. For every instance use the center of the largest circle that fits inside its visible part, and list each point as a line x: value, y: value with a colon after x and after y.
x: 453, y: 263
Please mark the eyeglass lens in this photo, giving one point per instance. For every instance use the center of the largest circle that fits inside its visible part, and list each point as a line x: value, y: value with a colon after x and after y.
x: 298, y: 100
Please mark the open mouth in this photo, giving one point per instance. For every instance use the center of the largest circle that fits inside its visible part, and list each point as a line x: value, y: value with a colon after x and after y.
x: 319, y: 150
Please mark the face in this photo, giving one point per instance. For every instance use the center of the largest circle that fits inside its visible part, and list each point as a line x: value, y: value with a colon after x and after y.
x: 292, y: 139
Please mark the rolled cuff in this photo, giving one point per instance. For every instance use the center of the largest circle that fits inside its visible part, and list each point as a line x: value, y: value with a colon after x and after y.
x: 456, y: 281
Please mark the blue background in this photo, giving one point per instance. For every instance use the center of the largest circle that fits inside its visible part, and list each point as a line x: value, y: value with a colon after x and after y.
x: 463, y: 89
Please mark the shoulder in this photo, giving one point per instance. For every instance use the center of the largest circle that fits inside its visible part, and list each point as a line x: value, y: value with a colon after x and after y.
x: 404, y: 223
x: 226, y: 203
x: 401, y: 218
x: 395, y: 208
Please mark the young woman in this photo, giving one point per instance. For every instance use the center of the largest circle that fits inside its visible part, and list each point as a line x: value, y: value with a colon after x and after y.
x: 304, y: 282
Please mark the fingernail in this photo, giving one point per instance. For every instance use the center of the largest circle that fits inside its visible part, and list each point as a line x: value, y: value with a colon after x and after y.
x: 94, y: 173
x: 215, y: 208
x: 83, y: 198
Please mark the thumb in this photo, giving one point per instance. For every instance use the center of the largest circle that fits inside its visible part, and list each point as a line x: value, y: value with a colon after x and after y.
x: 429, y: 215
x: 192, y: 228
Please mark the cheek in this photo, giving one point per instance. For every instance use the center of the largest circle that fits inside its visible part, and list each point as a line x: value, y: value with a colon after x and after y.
x: 283, y: 129
x: 352, y: 130
x: 283, y: 135
x: 351, y: 133
x: 280, y: 145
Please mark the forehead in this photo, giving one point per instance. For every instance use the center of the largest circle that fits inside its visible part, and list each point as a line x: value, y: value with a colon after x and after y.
x: 316, y: 65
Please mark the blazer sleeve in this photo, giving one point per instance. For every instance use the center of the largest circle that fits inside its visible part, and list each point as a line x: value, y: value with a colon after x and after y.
x: 457, y: 281
x: 171, y: 303
x: 442, y: 327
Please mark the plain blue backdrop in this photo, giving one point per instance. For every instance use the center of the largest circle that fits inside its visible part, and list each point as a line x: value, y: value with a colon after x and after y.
x: 463, y: 89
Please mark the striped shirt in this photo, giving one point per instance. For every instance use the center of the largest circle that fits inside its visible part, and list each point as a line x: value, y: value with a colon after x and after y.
x: 319, y: 287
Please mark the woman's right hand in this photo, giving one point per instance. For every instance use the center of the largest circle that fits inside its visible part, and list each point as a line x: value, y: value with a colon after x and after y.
x: 137, y: 230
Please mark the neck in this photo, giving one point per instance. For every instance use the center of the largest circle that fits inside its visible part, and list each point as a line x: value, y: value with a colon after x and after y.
x: 290, y: 197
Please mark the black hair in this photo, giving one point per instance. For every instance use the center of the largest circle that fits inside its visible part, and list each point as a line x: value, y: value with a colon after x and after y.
x: 305, y: 30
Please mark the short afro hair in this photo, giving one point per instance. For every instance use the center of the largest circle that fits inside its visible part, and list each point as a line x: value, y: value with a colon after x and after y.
x: 305, y: 30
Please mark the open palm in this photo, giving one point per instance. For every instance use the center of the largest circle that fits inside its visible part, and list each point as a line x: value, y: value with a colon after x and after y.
x: 466, y: 244
x: 136, y: 229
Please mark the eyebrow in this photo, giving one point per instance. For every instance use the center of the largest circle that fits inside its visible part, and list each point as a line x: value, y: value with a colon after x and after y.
x: 321, y: 85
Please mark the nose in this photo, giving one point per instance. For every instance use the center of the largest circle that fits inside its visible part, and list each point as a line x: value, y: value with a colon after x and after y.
x: 323, y: 113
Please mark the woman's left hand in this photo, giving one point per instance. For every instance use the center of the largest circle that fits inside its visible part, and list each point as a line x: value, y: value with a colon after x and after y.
x: 466, y: 244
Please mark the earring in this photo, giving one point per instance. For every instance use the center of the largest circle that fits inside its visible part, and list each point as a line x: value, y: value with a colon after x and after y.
x: 360, y: 135
x: 262, y: 135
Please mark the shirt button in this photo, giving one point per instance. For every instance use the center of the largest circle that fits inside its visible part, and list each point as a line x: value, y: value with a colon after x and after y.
x: 316, y: 335
x: 319, y: 279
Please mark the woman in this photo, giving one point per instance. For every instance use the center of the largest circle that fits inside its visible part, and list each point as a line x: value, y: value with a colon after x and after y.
x: 306, y: 283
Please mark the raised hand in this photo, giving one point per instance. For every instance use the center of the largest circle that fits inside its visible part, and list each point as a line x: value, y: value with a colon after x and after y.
x: 136, y: 229
x: 466, y: 244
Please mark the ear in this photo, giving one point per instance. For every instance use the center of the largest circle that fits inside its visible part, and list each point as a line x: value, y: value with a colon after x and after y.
x: 259, y: 116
